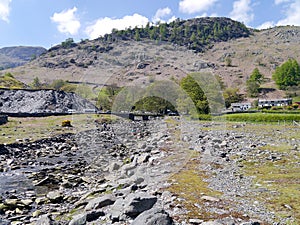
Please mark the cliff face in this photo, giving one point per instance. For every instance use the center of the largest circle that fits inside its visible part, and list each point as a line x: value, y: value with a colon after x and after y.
x: 41, y: 101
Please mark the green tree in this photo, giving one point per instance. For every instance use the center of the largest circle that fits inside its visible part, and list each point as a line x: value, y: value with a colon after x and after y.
x: 154, y: 104
x: 231, y: 95
x: 253, y: 83
x: 36, y: 83
x: 137, y: 35
x: 104, y: 102
x: 192, y: 88
x: 163, y: 31
x: 257, y: 76
x: 252, y: 88
x: 68, y: 43
x: 84, y: 91
x: 287, y: 75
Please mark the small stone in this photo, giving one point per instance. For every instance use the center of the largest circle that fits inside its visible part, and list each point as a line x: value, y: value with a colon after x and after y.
x: 18, y: 211
x: 26, y: 202
x: 11, y: 202
x: 36, y: 213
x: 195, y: 221
x: 210, y: 199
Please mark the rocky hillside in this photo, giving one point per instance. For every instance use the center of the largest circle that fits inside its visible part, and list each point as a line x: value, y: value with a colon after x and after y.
x: 43, y: 101
x: 170, y: 51
x: 16, y: 56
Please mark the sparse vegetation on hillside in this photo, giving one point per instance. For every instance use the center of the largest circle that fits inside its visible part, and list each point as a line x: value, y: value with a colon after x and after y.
x: 9, y: 81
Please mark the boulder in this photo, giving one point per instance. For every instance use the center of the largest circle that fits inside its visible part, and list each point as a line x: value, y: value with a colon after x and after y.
x: 153, y: 216
x: 79, y: 219
x: 100, y: 202
x: 55, y: 196
x: 137, y: 203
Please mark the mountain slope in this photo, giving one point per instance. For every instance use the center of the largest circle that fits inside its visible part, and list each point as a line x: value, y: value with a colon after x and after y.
x: 15, y: 56
x: 131, y: 57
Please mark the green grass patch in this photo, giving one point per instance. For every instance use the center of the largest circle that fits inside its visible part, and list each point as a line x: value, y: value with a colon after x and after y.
x: 282, y: 180
x: 8, y: 81
x: 35, y: 128
x: 296, y: 99
x: 188, y: 184
x: 261, y: 117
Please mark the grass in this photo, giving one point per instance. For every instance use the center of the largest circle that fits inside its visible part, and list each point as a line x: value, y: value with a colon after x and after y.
x: 262, y: 117
x: 8, y: 81
x: 296, y: 99
x: 188, y: 184
x: 35, y: 128
x: 281, y: 178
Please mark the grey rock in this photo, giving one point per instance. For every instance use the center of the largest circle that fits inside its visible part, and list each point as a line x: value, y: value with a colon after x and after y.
x: 79, y: 219
x: 55, y: 196
x: 43, y: 220
x: 94, y: 215
x: 153, y: 217
x: 114, y: 166
x: 117, y: 209
x: 100, y: 202
x: 251, y: 223
x: 195, y: 221
x: 137, y: 203
x: 211, y: 223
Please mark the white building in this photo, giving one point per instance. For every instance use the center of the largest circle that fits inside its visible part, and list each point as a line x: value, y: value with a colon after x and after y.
x: 237, y: 107
x: 274, y: 102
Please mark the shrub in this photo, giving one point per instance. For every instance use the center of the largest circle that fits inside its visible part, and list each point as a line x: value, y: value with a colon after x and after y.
x: 66, y: 123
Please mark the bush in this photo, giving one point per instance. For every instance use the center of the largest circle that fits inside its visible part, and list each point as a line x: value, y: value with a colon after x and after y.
x: 66, y: 123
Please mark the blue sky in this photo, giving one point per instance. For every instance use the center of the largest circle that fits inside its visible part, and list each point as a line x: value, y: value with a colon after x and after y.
x: 49, y: 22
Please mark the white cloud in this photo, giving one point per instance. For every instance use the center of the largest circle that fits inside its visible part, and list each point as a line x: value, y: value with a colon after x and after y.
x: 292, y: 15
x: 195, y: 6
x: 173, y: 18
x: 105, y: 25
x: 67, y: 21
x: 242, y: 11
x: 4, y: 10
x: 266, y: 25
x: 278, y: 2
x: 161, y: 13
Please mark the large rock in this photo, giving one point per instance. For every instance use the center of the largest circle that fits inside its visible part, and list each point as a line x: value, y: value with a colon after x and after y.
x: 137, y: 203
x: 132, y: 205
x: 153, y: 216
x: 100, y: 202
x: 79, y: 219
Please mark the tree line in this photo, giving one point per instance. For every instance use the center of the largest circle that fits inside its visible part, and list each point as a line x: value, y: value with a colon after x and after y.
x: 196, y: 34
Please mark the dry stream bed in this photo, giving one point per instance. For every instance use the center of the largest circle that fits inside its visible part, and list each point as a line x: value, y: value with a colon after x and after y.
x: 187, y: 172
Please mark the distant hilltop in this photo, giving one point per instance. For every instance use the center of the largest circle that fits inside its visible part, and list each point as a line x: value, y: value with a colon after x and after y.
x: 11, y: 57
